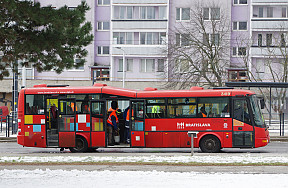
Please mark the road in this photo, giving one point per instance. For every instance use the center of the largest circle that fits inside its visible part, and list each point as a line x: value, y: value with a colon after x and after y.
x: 274, y: 149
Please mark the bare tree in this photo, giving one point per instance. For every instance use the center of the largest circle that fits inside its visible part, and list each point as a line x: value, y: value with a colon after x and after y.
x: 272, y: 67
x: 198, y: 50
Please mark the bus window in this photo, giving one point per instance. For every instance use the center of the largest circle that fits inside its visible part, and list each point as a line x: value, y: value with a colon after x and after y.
x: 241, y: 112
x: 155, y: 108
x: 82, y: 102
x: 34, y: 104
x: 213, y: 107
x: 181, y: 107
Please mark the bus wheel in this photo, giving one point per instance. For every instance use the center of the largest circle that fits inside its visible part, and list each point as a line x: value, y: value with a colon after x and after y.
x: 81, y: 145
x: 210, y: 144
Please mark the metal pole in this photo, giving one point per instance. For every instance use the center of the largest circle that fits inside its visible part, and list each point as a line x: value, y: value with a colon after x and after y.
x: 192, y: 144
x: 123, y: 68
x: 283, y: 124
x: 280, y: 117
x: 270, y: 116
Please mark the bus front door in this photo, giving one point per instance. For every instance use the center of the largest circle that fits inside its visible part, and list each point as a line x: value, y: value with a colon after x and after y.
x: 243, y: 130
x: 67, y: 122
x: 51, y: 114
x: 98, y: 123
x: 137, y: 123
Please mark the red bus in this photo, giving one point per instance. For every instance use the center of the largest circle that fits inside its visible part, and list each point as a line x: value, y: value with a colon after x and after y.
x: 54, y: 116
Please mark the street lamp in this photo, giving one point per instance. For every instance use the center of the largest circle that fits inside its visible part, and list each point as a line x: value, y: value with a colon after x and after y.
x: 123, y: 79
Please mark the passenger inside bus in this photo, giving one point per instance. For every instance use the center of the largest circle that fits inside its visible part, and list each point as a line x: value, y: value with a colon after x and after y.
x: 53, y: 112
x: 202, y: 112
x: 85, y: 105
x: 241, y: 111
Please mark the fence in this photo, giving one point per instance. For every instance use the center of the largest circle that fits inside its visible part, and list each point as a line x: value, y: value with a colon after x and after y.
x: 7, y: 126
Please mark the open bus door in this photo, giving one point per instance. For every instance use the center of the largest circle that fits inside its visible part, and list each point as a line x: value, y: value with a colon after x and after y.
x: 98, y: 123
x: 137, y: 123
x: 67, y: 122
x: 243, y: 130
x: 51, y: 115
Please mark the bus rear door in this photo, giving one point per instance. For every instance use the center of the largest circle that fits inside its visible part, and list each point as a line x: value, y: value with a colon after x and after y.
x: 243, y: 130
x: 67, y: 122
x: 137, y: 123
x: 98, y: 123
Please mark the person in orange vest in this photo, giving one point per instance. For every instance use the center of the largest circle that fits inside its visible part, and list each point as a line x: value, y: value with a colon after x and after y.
x: 112, y: 122
x: 126, y: 116
x: 203, y: 112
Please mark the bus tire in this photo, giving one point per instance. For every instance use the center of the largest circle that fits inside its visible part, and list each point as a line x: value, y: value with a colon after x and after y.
x: 81, y: 145
x: 210, y: 144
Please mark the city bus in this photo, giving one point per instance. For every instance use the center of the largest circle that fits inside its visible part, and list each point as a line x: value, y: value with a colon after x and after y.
x: 61, y: 116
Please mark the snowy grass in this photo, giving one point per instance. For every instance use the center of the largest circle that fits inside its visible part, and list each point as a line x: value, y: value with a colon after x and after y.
x: 246, y: 159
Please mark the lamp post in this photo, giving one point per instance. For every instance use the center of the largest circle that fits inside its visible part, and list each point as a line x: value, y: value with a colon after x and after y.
x: 123, y: 79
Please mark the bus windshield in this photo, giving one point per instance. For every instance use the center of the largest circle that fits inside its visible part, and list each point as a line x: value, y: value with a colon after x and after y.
x: 257, y: 114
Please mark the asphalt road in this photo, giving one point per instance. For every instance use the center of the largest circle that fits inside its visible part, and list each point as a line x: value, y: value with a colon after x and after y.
x: 273, y: 149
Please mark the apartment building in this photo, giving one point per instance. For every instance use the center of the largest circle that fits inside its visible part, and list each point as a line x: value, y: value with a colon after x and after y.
x: 258, y: 39
x: 131, y: 35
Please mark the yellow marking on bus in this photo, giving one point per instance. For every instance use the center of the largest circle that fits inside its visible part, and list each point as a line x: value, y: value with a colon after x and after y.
x: 26, y: 133
x: 28, y: 119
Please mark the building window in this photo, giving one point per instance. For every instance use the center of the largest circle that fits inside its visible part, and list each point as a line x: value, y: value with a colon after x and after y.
x: 261, y: 10
x: 213, y: 38
x: 162, y: 12
x: 259, y: 40
x: 103, y: 26
x: 128, y: 63
x: 103, y: 2
x: 147, y: 65
x: 270, y: 12
x: 160, y: 65
x: 78, y: 61
x: 147, y: 13
x: 122, y: 12
x: 283, y: 41
x: 268, y: 39
x: 182, y: 14
x: 284, y: 12
x: 123, y: 38
x: 211, y: 13
x: 240, y: 2
x: 241, y: 26
x: 240, y: 51
x: 150, y: 38
x: 103, y: 50
x: 182, y: 39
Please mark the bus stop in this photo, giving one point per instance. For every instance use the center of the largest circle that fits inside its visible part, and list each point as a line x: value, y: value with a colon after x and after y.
x: 269, y: 85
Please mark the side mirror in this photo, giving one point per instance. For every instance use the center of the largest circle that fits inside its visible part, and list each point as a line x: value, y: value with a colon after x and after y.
x: 262, y: 103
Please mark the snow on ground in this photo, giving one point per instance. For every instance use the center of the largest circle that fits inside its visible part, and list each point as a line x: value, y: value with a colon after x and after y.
x: 218, y: 159
x: 77, y: 178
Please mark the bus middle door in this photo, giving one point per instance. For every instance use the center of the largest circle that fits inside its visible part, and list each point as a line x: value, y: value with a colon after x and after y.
x: 98, y: 123
x: 67, y: 122
x: 137, y: 123
x: 243, y: 130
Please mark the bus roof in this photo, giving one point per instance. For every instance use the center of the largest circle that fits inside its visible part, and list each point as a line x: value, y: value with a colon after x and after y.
x: 147, y: 93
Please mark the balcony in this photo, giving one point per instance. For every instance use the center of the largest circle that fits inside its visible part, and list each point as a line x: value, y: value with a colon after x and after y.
x: 141, y: 50
x: 139, y: 24
x: 271, y: 51
x: 140, y: 2
x: 269, y: 24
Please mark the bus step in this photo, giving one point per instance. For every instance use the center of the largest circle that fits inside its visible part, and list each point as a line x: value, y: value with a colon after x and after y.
x: 53, y: 143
